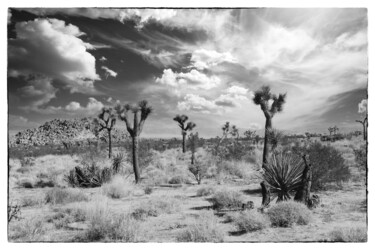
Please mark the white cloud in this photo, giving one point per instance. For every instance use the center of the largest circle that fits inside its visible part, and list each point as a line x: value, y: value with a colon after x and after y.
x: 109, y: 72
x: 9, y: 15
x: 103, y: 59
x: 193, y: 80
x: 237, y: 90
x: 196, y: 103
x: 203, y: 59
x: 52, y: 48
x: 362, y: 106
x: 92, y: 107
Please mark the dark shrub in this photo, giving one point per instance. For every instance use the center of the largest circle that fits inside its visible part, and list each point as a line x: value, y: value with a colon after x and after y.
x: 328, y: 165
x: 227, y: 199
x: 361, y: 157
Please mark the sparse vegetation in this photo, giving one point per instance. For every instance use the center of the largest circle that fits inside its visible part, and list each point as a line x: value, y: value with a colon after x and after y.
x: 203, y: 229
x: 249, y: 221
x: 227, y: 199
x: 64, y: 195
x: 155, y: 207
x: 349, y: 234
x: 205, y: 191
x: 288, y: 213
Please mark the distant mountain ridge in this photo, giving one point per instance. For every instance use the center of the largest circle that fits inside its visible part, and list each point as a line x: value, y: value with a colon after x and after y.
x: 57, y: 131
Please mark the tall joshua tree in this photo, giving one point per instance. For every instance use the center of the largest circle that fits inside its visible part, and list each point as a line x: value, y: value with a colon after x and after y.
x: 263, y: 97
x: 107, y: 120
x: 140, y: 111
x: 181, y: 119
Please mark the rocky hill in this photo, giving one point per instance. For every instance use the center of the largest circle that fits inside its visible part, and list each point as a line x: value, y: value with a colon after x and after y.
x: 57, y: 131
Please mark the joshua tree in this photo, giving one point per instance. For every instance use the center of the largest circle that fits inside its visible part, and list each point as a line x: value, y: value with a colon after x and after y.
x: 331, y: 130
x: 106, y: 120
x: 263, y: 97
x: 141, y: 111
x: 362, y: 109
x: 181, y: 119
x: 234, y: 132
x: 249, y: 134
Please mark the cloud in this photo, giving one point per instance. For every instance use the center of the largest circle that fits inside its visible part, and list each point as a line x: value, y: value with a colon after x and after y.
x: 103, y: 59
x: 196, y: 103
x: 52, y: 48
x: 38, y: 92
x: 9, y: 15
x: 237, y: 90
x: 193, y: 80
x: 93, y: 107
x: 109, y: 72
x: 17, y: 123
x: 362, y: 106
x: 203, y: 59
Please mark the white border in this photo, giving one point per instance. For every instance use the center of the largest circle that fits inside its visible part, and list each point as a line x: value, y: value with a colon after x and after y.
x: 179, y: 3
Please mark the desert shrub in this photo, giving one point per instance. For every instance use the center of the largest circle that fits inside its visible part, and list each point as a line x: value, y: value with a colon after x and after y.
x: 250, y: 220
x: 106, y: 226
x: 199, y: 168
x: 328, y: 165
x: 227, y: 199
x: 288, y: 213
x: 118, y: 162
x: 283, y: 174
x: 205, y: 191
x: 27, y: 161
x: 32, y: 229
x: 203, y: 229
x: 148, y: 190
x: 89, y: 175
x: 64, y: 195
x: 31, y: 201
x: 25, y: 183
x: 117, y: 188
x: 178, y: 179
x: 155, y: 176
x: 23, y: 170
x: 44, y: 183
x: 155, y: 207
x: 14, y: 212
x: 361, y: 157
x: 349, y: 234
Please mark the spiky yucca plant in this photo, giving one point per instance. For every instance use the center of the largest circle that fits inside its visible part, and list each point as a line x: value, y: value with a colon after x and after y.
x: 283, y: 174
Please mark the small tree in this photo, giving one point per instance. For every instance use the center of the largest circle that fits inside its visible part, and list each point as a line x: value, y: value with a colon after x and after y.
x: 181, y: 119
x: 106, y: 120
x: 262, y: 98
x: 249, y: 135
x: 140, y: 111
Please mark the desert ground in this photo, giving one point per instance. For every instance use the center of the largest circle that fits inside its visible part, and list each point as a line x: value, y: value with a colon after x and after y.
x: 168, y: 205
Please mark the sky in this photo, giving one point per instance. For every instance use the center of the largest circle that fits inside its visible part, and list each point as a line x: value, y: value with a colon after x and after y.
x: 204, y: 63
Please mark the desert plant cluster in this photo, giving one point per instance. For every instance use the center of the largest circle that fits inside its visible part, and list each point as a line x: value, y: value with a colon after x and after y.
x: 233, y: 187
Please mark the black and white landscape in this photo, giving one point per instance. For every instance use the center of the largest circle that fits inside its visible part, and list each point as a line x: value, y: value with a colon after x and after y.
x: 187, y: 125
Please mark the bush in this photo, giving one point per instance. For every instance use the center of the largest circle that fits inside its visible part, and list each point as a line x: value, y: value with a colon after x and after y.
x: 148, y: 190
x: 156, y: 207
x: 25, y: 183
x: 44, y: 183
x: 351, y: 234
x: 64, y: 195
x: 89, y: 175
x: 203, y: 229
x: 249, y: 221
x: 361, y: 157
x: 205, y: 191
x: 227, y: 199
x: 178, y: 179
x: 32, y: 229
x: 106, y: 226
x: 328, y: 165
x: 288, y: 213
x: 117, y: 188
x: 199, y: 169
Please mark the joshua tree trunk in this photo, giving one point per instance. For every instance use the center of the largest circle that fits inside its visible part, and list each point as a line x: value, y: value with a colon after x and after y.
x: 109, y: 144
x: 265, y: 194
x: 265, y: 146
x: 303, y: 193
x: 135, y: 158
x: 183, y: 142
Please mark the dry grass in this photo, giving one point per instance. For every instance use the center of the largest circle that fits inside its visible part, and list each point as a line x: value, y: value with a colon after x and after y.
x: 289, y: 213
x: 28, y: 230
x: 203, y: 229
x: 155, y: 207
x: 349, y: 234
x: 64, y: 195
x: 225, y: 198
x: 118, y: 188
x: 205, y: 191
x: 249, y: 221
